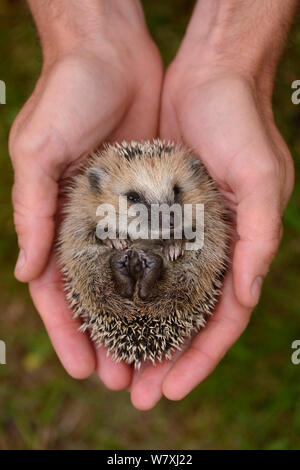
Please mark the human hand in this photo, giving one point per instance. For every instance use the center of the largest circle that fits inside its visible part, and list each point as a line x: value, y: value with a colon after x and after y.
x: 225, y: 115
x: 100, y: 81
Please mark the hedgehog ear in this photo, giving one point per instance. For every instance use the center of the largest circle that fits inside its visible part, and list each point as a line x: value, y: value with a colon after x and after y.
x: 96, y: 177
x: 196, y: 166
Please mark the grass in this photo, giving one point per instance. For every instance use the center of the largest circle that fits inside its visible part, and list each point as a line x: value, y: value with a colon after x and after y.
x: 252, y: 399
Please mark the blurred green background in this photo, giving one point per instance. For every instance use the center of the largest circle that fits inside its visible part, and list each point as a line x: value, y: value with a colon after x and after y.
x: 251, y: 401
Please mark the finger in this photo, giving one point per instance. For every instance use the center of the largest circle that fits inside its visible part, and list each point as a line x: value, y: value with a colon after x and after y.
x: 34, y: 221
x: 259, y: 231
x: 115, y: 376
x: 72, y: 347
x: 146, y: 387
x: 209, y: 346
x: 34, y: 200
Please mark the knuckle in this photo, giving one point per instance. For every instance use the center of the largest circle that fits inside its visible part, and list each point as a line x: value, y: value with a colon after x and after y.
x: 290, y: 178
x: 19, y: 222
x: 274, y: 232
x: 15, y: 195
x: 273, y: 246
x: 21, y: 209
x: 22, y: 146
x: 272, y: 242
x: 29, y: 145
x: 271, y: 170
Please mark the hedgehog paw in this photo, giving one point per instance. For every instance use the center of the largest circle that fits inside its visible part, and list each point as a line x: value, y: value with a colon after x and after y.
x: 173, y: 249
x: 117, y: 243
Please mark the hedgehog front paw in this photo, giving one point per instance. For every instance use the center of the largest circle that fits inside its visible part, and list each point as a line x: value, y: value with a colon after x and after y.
x: 173, y: 249
x: 117, y: 243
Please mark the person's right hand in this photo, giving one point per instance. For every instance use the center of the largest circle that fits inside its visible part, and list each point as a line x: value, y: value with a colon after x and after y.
x: 106, y: 87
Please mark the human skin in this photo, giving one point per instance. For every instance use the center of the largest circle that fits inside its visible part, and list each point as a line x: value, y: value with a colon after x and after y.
x: 217, y: 99
x: 101, y: 80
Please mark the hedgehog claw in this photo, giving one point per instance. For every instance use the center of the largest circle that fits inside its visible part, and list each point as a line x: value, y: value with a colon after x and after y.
x: 118, y: 243
x: 174, y: 249
x: 108, y: 242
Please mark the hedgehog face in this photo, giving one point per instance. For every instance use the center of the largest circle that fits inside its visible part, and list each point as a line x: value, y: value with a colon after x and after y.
x: 144, y: 185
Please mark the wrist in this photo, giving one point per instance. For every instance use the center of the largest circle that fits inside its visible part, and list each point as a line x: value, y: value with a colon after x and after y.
x: 65, y: 27
x: 237, y: 37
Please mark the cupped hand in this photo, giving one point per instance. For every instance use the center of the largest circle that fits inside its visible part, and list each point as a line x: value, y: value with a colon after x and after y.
x: 228, y: 122
x: 104, y: 89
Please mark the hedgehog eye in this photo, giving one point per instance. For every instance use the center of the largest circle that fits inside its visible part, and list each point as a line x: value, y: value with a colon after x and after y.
x: 176, y: 190
x: 133, y: 196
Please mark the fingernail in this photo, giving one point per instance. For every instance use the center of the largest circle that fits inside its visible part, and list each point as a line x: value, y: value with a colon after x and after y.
x: 21, y: 260
x: 256, y: 288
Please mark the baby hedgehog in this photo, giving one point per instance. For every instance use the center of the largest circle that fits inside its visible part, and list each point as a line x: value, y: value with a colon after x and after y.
x: 142, y: 296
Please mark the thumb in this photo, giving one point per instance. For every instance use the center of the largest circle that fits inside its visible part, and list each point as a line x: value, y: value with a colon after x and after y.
x: 259, y: 230
x: 34, y: 197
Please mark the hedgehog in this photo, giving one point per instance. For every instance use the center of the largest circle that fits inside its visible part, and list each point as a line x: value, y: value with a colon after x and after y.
x: 141, y: 296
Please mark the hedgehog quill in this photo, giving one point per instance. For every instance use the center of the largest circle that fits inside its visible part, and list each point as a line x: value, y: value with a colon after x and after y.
x: 142, y: 296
